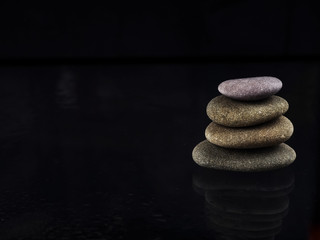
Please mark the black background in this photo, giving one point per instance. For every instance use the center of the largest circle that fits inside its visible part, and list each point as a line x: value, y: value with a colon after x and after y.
x: 119, y: 29
x: 101, y: 106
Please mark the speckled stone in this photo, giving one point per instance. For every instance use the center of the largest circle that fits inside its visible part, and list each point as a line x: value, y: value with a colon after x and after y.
x: 209, y: 155
x: 228, y: 112
x: 250, y: 89
x: 267, y: 134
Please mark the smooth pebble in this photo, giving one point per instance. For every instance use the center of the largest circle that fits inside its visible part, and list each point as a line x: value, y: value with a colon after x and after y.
x: 250, y: 89
x: 232, y: 113
x: 267, y: 134
x: 209, y: 155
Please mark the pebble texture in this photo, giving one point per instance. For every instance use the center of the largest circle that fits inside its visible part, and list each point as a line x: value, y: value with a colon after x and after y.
x: 209, y: 155
x: 250, y: 89
x: 268, y: 134
x: 228, y: 112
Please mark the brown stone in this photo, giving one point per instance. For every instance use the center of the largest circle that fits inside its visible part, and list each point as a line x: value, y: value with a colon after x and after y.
x: 231, y: 113
x: 209, y: 155
x: 267, y: 134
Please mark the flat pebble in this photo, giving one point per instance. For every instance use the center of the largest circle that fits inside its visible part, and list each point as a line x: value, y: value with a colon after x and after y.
x: 267, y: 134
x: 250, y: 89
x: 209, y: 155
x: 228, y: 112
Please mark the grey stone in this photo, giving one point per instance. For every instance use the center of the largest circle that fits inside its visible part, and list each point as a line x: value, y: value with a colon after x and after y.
x: 250, y: 89
x: 209, y: 155
x: 228, y: 112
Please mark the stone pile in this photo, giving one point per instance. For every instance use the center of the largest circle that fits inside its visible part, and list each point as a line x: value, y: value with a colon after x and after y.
x: 248, y: 129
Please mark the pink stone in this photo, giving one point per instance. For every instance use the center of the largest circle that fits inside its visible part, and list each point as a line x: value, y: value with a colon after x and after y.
x: 250, y: 89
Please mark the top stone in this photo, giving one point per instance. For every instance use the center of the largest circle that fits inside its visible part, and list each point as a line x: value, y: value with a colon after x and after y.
x: 250, y: 89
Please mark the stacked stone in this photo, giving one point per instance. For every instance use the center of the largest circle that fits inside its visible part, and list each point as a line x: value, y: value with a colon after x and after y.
x: 247, y: 123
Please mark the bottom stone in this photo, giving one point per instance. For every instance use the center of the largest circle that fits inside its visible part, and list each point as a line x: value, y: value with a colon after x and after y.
x: 209, y: 155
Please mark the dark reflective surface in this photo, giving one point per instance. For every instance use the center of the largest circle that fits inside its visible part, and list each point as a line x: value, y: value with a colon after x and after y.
x: 245, y: 205
x: 104, y: 152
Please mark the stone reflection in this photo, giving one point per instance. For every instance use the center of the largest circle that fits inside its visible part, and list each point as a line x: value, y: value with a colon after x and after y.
x: 245, y: 205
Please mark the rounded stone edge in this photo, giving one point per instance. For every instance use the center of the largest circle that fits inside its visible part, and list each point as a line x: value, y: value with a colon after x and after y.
x: 249, y: 98
x: 253, y: 144
x: 249, y: 122
x: 249, y: 168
